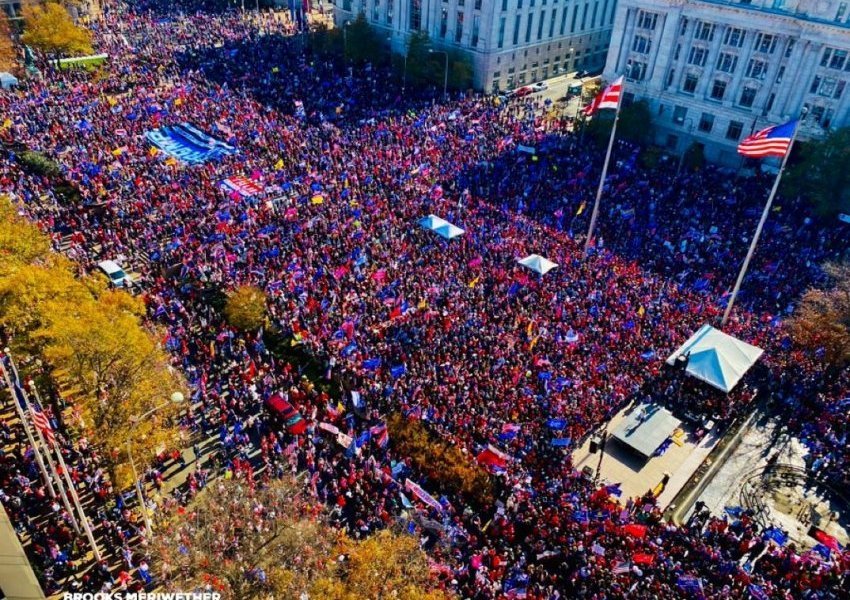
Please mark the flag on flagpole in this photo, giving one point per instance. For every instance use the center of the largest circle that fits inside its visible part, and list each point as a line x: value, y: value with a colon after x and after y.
x: 607, y: 98
x: 773, y: 141
x: 41, y: 421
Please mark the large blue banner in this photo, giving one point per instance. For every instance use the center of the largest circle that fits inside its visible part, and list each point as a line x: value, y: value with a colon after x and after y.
x: 188, y: 143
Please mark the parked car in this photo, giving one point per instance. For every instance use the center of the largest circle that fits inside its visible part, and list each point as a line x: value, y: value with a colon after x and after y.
x: 523, y: 91
x: 116, y: 275
x: 540, y: 86
x: 283, y: 411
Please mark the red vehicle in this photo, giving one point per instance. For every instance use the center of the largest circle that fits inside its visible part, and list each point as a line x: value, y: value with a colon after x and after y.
x: 523, y: 91
x: 278, y: 406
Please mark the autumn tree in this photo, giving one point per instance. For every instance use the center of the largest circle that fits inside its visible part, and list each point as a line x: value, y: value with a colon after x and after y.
x: 246, y: 308
x: 21, y: 242
x: 272, y: 541
x: 107, y: 364
x: 822, y: 320
x: 8, y: 55
x: 441, y: 462
x: 118, y: 371
x: 49, y: 27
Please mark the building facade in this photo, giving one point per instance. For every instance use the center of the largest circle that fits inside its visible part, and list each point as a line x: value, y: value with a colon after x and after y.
x: 714, y: 71
x: 509, y: 42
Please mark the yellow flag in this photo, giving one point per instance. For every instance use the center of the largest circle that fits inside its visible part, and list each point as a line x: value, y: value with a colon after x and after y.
x: 641, y: 311
x: 112, y: 101
x: 533, y: 343
x: 422, y: 304
x: 117, y: 152
x: 7, y: 123
x: 171, y: 161
x: 474, y: 281
x: 278, y: 165
x: 317, y: 199
x: 153, y: 151
x: 528, y: 329
x: 581, y: 208
x: 178, y: 101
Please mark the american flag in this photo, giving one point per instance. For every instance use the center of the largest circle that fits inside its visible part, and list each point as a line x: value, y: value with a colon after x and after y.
x: 773, y: 141
x: 41, y: 421
x: 607, y: 98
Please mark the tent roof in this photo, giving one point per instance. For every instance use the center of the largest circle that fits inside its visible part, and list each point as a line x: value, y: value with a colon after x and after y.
x: 448, y: 231
x: 716, y: 358
x: 537, y: 263
x: 441, y: 227
x: 432, y: 222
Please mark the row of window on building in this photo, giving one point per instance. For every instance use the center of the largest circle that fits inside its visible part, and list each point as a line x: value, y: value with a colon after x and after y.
x: 532, y: 73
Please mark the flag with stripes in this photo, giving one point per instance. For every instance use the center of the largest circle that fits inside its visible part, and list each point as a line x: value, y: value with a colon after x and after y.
x: 40, y: 420
x: 607, y: 98
x: 773, y: 141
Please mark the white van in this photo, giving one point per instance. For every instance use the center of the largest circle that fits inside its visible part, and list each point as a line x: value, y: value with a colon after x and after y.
x: 115, y: 273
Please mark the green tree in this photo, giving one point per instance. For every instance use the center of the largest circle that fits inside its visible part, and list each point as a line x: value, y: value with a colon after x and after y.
x: 822, y: 174
x: 363, y: 43
x: 423, y: 67
x: 246, y: 308
x: 460, y: 71
x: 635, y: 124
x: 50, y: 28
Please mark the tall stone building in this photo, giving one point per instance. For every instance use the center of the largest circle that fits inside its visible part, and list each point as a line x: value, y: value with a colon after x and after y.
x: 713, y: 71
x: 509, y: 42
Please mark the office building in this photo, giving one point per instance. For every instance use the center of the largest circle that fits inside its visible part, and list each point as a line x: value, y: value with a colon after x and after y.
x: 714, y: 71
x: 509, y: 42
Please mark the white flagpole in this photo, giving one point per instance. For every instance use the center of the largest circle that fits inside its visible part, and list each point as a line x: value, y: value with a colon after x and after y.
x: 39, y: 460
x: 595, y: 212
x: 83, y: 518
x: 51, y: 464
x: 760, y: 226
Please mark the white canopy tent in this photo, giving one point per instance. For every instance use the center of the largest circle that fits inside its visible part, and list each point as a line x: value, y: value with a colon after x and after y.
x: 448, y: 231
x: 716, y: 358
x: 441, y: 227
x: 537, y: 263
x: 8, y: 81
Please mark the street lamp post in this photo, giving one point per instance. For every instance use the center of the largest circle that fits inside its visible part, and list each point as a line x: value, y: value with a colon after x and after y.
x: 176, y: 399
x: 682, y: 154
x: 445, y: 72
x: 345, y: 40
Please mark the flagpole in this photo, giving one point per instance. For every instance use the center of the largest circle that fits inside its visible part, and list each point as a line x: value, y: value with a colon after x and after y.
x: 764, y: 215
x: 595, y: 212
x: 47, y: 452
x: 65, y: 473
x: 83, y: 518
x: 26, y: 427
x: 72, y: 488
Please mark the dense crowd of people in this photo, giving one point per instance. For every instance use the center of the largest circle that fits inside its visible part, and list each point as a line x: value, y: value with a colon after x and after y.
x: 452, y: 332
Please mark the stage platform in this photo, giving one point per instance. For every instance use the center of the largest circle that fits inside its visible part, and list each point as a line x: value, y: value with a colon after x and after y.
x: 645, y: 429
x: 636, y: 472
